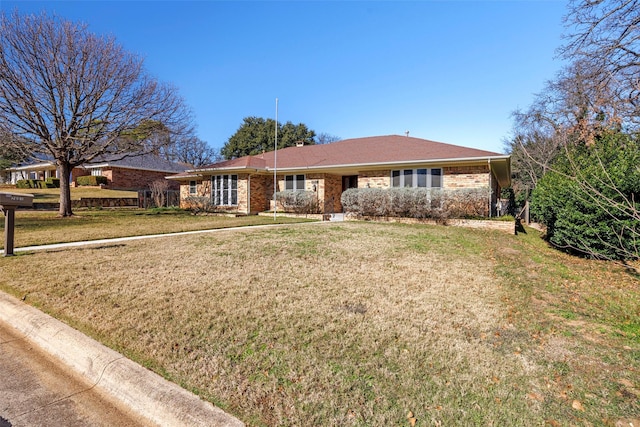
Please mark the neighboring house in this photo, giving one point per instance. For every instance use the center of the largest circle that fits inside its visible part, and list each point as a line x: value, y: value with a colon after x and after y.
x: 246, y: 185
x: 130, y: 173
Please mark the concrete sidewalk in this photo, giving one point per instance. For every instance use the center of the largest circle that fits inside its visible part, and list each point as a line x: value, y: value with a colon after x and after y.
x: 146, y: 394
x: 147, y: 236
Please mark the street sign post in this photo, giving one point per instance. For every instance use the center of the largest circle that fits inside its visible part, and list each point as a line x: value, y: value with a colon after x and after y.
x: 8, y: 204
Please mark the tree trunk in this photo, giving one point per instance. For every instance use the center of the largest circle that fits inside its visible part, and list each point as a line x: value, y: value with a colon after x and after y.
x: 64, y: 172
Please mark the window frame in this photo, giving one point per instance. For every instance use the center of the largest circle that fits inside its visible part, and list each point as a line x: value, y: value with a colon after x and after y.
x: 298, y: 182
x: 416, y: 177
x: 193, y: 188
x: 224, y: 190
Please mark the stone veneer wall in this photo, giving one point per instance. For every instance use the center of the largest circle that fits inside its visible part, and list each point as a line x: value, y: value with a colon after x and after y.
x: 374, y: 179
x: 465, y: 177
x: 203, y: 189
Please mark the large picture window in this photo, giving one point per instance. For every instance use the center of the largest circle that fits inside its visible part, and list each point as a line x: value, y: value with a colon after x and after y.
x: 224, y: 190
x: 416, y: 178
x: 294, y: 182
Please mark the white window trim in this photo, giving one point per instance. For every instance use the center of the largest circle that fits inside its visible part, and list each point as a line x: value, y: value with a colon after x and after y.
x: 193, y: 187
x: 296, y: 182
x: 231, y: 192
x: 414, y: 177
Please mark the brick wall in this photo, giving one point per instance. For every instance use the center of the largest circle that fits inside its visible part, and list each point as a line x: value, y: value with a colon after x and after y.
x: 374, y: 179
x: 333, y: 193
x: 121, y: 178
x: 466, y: 177
x: 260, y: 192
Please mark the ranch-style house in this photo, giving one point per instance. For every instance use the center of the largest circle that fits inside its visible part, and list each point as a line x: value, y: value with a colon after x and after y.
x: 245, y: 185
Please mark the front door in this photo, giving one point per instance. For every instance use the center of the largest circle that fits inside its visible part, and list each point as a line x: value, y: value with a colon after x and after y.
x: 349, y: 181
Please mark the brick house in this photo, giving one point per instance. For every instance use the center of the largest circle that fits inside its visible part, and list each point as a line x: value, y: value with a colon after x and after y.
x: 130, y: 173
x: 246, y: 185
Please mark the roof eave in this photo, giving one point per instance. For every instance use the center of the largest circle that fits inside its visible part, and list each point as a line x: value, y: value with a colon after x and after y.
x: 395, y: 163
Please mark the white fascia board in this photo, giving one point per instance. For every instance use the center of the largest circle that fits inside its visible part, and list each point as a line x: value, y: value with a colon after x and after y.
x: 108, y: 165
x: 396, y: 163
x: 229, y: 169
x: 182, y: 177
x: 33, y: 166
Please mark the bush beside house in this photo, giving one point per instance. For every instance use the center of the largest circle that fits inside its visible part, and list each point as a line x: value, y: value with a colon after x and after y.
x: 416, y: 202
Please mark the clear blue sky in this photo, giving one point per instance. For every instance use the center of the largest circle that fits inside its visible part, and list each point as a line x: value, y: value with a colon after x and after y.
x: 450, y: 71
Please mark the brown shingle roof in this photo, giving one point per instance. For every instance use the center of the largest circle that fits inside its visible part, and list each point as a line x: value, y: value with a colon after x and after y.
x: 356, y: 151
x: 371, y: 150
x: 350, y: 154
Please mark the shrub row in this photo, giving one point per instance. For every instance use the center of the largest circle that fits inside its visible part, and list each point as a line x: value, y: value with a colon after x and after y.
x: 91, y: 180
x: 416, y: 202
x: 302, y: 202
x: 38, y: 183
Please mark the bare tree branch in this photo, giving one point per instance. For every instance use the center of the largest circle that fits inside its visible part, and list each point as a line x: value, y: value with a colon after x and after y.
x: 68, y: 94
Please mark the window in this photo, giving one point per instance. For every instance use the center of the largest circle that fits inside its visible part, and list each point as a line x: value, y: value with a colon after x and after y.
x: 294, y: 182
x: 415, y: 178
x: 96, y: 172
x: 224, y: 190
x: 193, y: 187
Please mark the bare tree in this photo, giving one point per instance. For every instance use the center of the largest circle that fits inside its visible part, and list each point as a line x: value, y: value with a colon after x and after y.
x: 606, y: 34
x: 73, y: 96
x: 326, y: 138
x: 193, y: 151
x: 159, y: 190
x: 532, y: 155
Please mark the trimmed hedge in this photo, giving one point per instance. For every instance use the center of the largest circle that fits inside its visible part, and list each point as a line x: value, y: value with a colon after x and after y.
x: 30, y: 183
x: 52, y: 182
x: 91, y: 180
x: 304, y: 202
x: 416, y: 202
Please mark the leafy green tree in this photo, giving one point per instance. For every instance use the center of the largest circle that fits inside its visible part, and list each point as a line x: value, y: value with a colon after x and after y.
x: 257, y: 135
x: 590, y: 200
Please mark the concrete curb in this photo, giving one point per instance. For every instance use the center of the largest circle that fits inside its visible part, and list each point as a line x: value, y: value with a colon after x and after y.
x: 144, y: 392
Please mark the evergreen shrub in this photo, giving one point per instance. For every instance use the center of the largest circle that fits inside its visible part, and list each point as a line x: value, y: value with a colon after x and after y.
x: 91, y: 180
x: 590, y: 201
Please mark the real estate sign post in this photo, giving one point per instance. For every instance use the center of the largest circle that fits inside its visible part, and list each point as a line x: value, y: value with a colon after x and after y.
x: 8, y: 204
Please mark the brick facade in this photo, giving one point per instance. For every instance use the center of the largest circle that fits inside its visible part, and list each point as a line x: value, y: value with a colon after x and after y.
x: 128, y: 179
x: 465, y: 177
x: 328, y: 187
x: 374, y: 179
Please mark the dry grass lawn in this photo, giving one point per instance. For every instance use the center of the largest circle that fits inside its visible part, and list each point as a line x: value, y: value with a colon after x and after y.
x: 52, y: 195
x: 45, y: 227
x: 359, y: 323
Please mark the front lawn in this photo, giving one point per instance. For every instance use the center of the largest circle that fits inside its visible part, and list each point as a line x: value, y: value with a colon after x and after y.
x: 52, y: 195
x: 360, y: 323
x: 45, y: 227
